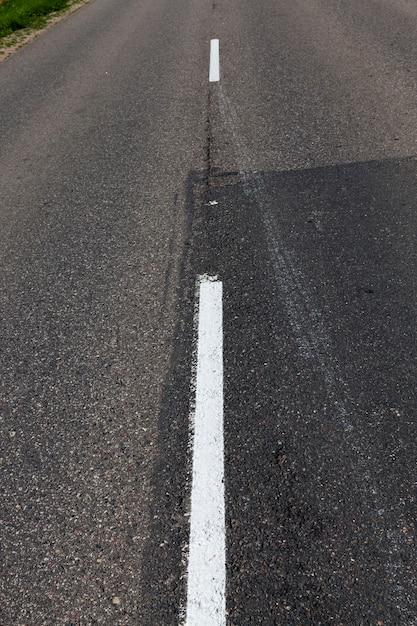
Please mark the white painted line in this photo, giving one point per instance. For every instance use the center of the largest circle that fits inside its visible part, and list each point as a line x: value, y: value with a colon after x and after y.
x: 206, y: 600
x: 214, y: 74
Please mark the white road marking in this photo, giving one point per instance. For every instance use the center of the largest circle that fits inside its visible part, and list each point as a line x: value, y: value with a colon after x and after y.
x: 206, y: 601
x: 214, y: 74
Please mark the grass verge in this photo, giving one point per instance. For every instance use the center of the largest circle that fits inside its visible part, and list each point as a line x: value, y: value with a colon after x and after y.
x: 18, y: 14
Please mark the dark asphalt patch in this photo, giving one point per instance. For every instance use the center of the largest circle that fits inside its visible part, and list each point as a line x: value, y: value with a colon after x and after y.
x: 320, y: 448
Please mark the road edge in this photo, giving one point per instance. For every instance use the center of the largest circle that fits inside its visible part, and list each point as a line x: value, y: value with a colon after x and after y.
x: 13, y: 42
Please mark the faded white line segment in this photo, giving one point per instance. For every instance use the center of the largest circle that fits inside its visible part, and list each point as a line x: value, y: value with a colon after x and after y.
x: 214, y: 74
x: 206, y: 601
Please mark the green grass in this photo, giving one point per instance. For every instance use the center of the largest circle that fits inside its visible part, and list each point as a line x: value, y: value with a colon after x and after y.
x: 18, y: 14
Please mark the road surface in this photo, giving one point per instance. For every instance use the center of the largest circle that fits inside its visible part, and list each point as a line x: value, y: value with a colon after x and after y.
x: 129, y: 180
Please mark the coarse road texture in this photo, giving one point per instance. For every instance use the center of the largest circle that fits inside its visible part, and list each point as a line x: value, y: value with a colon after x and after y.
x: 125, y: 175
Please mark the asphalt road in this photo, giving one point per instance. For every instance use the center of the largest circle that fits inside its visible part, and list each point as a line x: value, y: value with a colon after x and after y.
x: 125, y: 175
